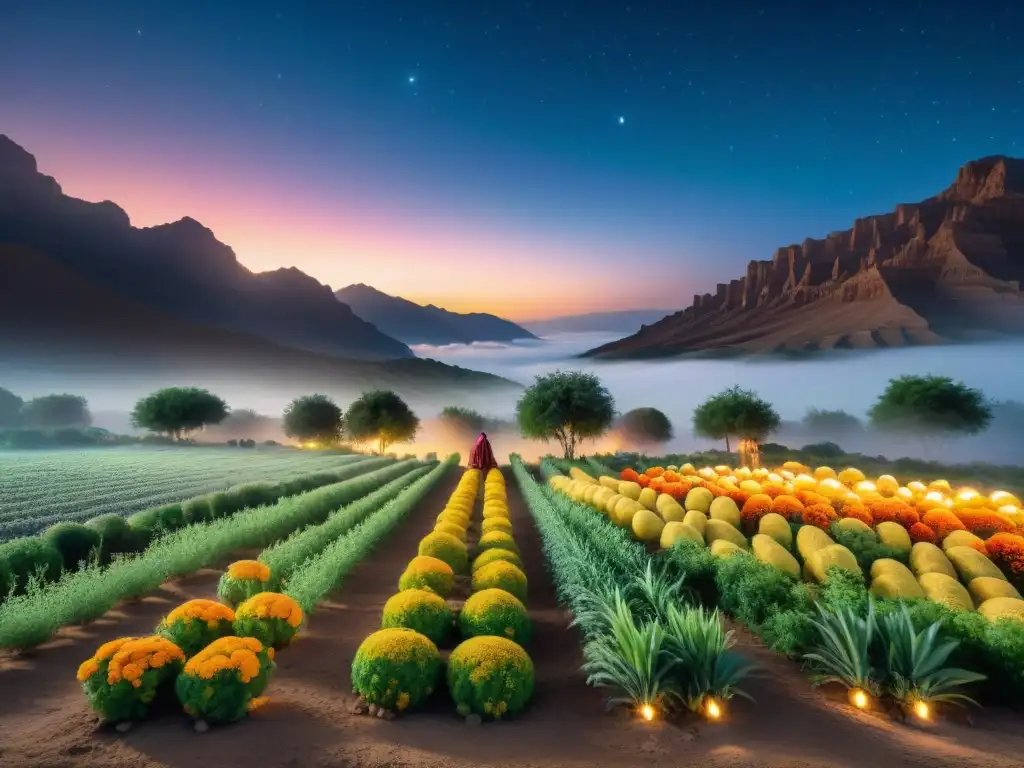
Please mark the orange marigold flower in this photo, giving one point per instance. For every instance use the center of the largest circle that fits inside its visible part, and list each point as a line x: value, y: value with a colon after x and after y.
x: 1007, y: 551
x: 810, y: 498
x: 756, y: 507
x: 943, y: 522
x: 629, y: 474
x: 820, y: 515
x: 857, y: 512
x: 654, y: 471
x: 983, y: 522
x: 921, y: 532
x: 643, y: 481
x: 657, y: 484
x: 773, y: 489
x: 740, y: 497
x: 889, y: 510
x: 672, y: 476
x: 787, y: 506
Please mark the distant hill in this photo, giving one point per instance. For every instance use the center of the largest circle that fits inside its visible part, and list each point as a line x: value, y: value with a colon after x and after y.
x: 946, y: 269
x: 626, y: 321
x: 415, y: 324
x: 179, y: 268
x: 60, y: 324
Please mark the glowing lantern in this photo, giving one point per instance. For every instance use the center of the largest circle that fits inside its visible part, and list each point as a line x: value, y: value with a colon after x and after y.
x: 804, y: 483
x: 647, y: 712
x: 713, y: 709
x: 785, y: 474
x: 940, y: 485
x: 831, y: 488
x: 1002, y: 499
x: 774, y: 478
x: 865, y: 487
x: 905, y: 494
x: 917, y: 487
x: 922, y: 710
x: 859, y: 698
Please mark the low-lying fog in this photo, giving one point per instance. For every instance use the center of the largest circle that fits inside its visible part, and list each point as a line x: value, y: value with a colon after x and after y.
x: 848, y: 381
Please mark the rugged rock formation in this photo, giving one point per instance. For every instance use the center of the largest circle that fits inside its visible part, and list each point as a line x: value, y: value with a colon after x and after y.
x: 948, y: 268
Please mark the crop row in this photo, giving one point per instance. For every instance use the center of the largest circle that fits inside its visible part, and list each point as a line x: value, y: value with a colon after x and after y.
x: 34, y: 616
x: 219, y: 656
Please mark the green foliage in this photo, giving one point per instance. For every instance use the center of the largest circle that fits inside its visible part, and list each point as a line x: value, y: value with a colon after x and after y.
x: 655, y: 591
x: 383, y: 416
x: 490, y: 676
x: 735, y: 412
x: 31, y: 559
x: 10, y: 408
x: 325, y: 571
x: 234, y: 592
x: 501, y: 574
x: 824, y: 423
x: 115, y: 535
x: 842, y: 590
x: 421, y: 611
x: 314, y: 418
x: 199, y: 509
x: 76, y: 543
x: 396, y: 668
x: 751, y: 590
x: 56, y: 411
x: 464, y: 422
x: 179, y: 411
x: 227, y: 695
x: 495, y: 612
x: 931, y: 404
x: 568, y: 406
x: 866, y: 547
x: 646, y: 426
x: 843, y: 652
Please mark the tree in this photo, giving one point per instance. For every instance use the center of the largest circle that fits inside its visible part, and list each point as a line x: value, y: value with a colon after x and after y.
x: 735, y: 412
x: 57, y: 411
x: 179, y: 411
x: 646, y: 426
x: 383, y: 416
x: 831, y: 422
x: 10, y: 408
x: 464, y: 422
x: 568, y: 406
x: 930, y: 405
x: 314, y: 418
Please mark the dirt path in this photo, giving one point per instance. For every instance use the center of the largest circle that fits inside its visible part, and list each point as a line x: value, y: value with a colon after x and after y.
x: 44, y: 721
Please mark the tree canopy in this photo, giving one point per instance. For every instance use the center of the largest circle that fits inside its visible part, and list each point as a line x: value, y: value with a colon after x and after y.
x: 383, y: 416
x: 825, y: 422
x: 568, y: 406
x: 931, y: 405
x: 178, y: 411
x: 735, y: 412
x: 56, y: 411
x: 646, y: 426
x: 10, y: 408
x: 464, y: 422
x: 314, y: 419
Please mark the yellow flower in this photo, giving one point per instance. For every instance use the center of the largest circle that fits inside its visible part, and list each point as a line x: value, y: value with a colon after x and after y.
x: 131, y: 672
x: 272, y: 605
x: 136, y: 683
x: 87, y: 669
x: 402, y: 701
x: 107, y: 650
x: 252, y: 570
x: 258, y: 702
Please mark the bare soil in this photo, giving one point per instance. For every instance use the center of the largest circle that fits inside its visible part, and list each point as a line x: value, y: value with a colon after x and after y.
x: 45, y: 723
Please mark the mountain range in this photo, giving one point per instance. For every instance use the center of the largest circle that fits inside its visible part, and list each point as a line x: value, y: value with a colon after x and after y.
x: 621, y: 321
x: 81, y: 287
x: 413, y: 323
x: 943, y: 270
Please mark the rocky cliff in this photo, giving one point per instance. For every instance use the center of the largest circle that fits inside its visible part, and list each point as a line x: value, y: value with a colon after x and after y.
x: 945, y: 269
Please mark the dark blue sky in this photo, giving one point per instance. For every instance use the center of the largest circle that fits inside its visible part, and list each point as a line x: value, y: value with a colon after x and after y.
x: 367, y: 141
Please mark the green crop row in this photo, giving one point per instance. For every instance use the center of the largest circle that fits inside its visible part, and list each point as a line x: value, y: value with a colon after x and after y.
x: 33, y: 617
x: 323, y: 573
x: 284, y: 557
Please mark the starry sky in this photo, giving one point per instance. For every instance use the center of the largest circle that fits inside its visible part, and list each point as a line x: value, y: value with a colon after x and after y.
x: 531, y: 158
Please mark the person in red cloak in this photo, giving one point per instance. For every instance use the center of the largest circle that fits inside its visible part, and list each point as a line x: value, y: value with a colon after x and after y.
x: 482, y: 457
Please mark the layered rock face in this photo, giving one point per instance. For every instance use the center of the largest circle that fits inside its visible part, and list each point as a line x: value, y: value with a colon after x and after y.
x: 948, y: 268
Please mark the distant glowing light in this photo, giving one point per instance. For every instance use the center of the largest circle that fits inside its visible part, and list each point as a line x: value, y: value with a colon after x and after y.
x: 412, y: 78
x: 922, y: 710
x: 714, y: 710
x: 859, y: 699
x: 622, y: 120
x: 647, y: 712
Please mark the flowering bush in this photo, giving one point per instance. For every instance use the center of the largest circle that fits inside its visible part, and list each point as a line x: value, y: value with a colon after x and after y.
x: 820, y: 516
x: 270, y: 617
x: 123, y: 676
x: 857, y: 511
x: 775, y: 489
x: 225, y: 680
x: 739, y: 496
x: 495, y: 612
x: 631, y: 475
x: 453, y: 529
x: 495, y: 508
x: 642, y: 480
x: 984, y: 523
x: 496, y: 524
x: 653, y: 472
x: 428, y: 573
x: 501, y: 575
x: 420, y: 610
x: 445, y: 547
x: 888, y: 510
x: 490, y: 676
x: 671, y: 476
x: 493, y: 555
x: 242, y: 580
x: 943, y: 522
x: 921, y: 532
x: 396, y: 668
x: 756, y: 507
x: 1007, y: 551
x: 788, y: 506
x: 809, y: 498
x: 496, y: 540
x: 195, y: 624
x: 656, y: 484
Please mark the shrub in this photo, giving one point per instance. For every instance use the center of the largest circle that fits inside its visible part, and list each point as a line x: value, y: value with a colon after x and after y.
x: 496, y: 524
x: 501, y: 575
x: 243, y: 579
x: 866, y: 547
x: 946, y: 590
x: 1007, y: 551
x: 751, y: 590
x: 490, y: 676
x: 75, y: 542
x: 942, y: 521
x: 928, y: 558
x: 832, y: 556
x: 497, y: 540
x: 445, y: 547
x: 428, y: 573
x: 195, y: 624
x: 419, y: 610
x: 198, y: 510
x: 769, y: 551
x: 921, y: 532
x: 985, y: 523
x: 820, y: 516
x: 789, y: 507
x: 123, y: 677
x: 493, y: 555
x: 453, y: 529
x: 756, y: 507
x: 396, y: 668
x: 29, y: 558
x: 970, y: 564
x: 115, y: 534
x: 270, y: 617
x: 224, y: 681
x: 495, y: 612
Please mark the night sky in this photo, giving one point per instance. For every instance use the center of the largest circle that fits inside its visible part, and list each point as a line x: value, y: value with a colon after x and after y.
x: 530, y: 158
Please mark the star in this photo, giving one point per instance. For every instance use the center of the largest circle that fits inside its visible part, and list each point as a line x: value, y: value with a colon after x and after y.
x: 412, y: 78
x: 622, y: 120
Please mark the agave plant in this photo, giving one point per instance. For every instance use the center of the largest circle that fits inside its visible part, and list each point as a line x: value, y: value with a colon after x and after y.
x: 915, y: 662
x: 843, y: 650
x: 595, y: 608
x: 705, y: 664
x: 655, y: 592
x: 631, y: 660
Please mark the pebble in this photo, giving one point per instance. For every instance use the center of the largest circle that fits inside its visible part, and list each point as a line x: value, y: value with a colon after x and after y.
x: 373, y: 710
x: 201, y: 726
x: 124, y: 726
x: 359, y: 708
x: 381, y: 712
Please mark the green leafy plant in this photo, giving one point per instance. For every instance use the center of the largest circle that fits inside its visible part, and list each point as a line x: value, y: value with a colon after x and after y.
x: 655, y: 592
x: 842, y: 653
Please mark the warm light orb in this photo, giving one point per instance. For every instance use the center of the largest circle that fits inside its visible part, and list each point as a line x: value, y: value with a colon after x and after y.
x: 647, y: 712
x: 905, y: 494
x: 859, y: 699
x: 774, y: 478
x: 922, y: 710
x: 713, y: 709
x: 917, y: 486
x: 865, y: 486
